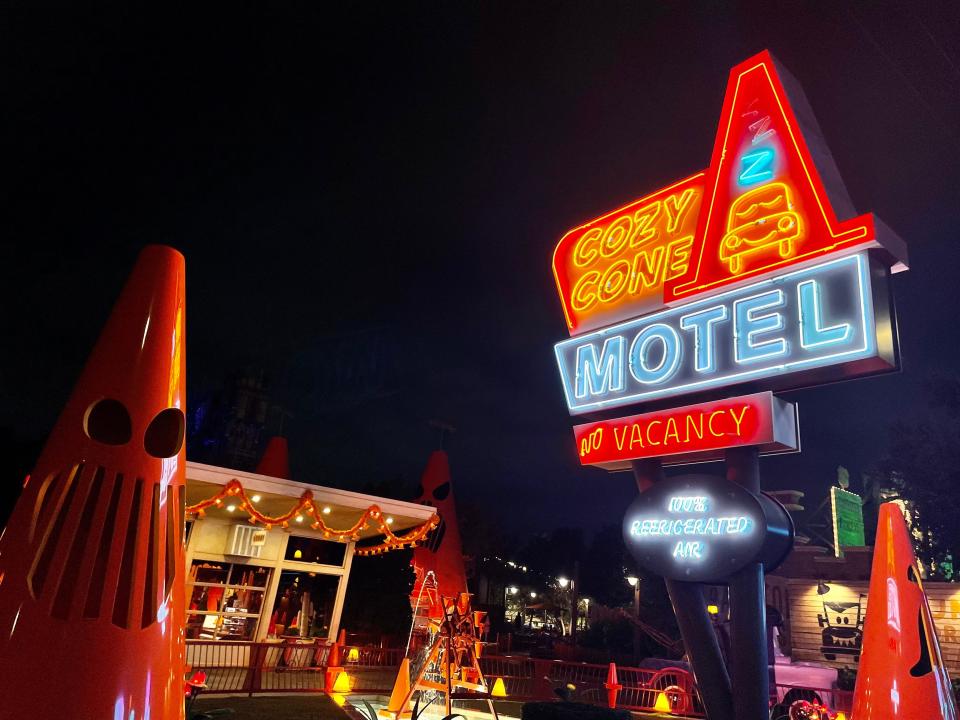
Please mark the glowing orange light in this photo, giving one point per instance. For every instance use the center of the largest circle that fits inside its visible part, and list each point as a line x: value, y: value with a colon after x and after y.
x: 615, y: 266
x: 342, y: 683
x: 663, y: 703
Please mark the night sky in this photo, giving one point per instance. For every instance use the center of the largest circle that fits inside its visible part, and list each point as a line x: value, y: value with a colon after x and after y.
x: 368, y: 196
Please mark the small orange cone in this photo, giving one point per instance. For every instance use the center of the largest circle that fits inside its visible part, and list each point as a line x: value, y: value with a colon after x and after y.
x: 663, y: 703
x: 342, y: 638
x: 334, y: 669
x: 333, y: 659
x: 499, y: 689
x: 612, y: 686
x: 399, y: 705
x: 901, y: 673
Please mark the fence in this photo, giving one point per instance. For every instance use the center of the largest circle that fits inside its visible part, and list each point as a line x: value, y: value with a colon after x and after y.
x: 531, y: 679
x: 836, y: 700
x: 260, y: 667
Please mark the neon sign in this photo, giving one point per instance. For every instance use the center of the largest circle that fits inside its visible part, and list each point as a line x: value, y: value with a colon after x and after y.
x: 702, y: 528
x: 617, y: 265
x: 826, y: 322
x: 767, y: 203
x: 696, y: 433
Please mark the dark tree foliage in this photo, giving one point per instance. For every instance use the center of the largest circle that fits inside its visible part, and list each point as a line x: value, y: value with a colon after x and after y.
x: 923, y: 464
x: 604, y: 570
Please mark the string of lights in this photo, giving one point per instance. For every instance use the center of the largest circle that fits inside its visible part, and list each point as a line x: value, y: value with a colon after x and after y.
x: 306, y: 505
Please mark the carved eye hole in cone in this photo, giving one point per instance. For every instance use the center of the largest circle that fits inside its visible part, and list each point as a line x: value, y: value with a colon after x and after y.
x: 108, y: 422
x: 442, y: 491
x: 164, y: 435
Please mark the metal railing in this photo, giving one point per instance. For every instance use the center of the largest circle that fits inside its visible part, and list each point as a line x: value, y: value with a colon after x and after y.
x: 272, y: 667
x: 833, y: 698
x: 532, y: 679
x: 265, y: 667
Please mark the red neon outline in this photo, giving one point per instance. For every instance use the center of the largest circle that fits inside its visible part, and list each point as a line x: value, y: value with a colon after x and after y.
x: 855, y: 231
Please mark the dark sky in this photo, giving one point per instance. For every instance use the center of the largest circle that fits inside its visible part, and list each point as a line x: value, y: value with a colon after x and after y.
x: 368, y: 195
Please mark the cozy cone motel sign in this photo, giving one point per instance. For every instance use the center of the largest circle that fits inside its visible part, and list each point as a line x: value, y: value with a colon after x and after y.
x: 690, y: 306
x: 753, y: 275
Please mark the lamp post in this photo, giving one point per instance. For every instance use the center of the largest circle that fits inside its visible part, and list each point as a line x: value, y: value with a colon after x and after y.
x: 507, y: 592
x: 634, y: 582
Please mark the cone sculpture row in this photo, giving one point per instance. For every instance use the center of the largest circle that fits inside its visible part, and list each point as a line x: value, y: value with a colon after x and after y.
x: 91, y: 561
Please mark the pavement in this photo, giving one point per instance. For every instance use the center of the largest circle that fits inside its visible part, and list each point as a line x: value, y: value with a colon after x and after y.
x: 312, y: 706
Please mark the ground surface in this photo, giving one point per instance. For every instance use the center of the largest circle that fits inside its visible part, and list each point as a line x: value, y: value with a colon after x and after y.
x: 312, y: 706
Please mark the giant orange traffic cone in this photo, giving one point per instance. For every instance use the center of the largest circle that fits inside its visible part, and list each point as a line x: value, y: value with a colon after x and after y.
x: 441, y: 552
x: 399, y: 705
x: 91, y: 561
x: 275, y: 461
x: 901, y: 673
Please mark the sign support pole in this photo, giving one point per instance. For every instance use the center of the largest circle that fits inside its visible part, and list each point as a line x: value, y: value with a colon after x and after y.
x: 748, y: 610
x: 697, y: 632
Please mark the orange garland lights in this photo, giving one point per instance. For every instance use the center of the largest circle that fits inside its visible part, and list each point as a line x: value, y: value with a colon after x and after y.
x: 372, y: 514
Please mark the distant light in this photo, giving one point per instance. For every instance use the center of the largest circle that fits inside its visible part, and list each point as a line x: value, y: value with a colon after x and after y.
x: 255, y: 498
x: 713, y: 609
x: 389, y: 521
x: 326, y: 510
x: 231, y: 508
x: 563, y: 582
x: 524, y: 568
x: 633, y: 580
x: 512, y: 590
x: 532, y: 594
x: 299, y: 518
x: 511, y: 563
x: 297, y: 554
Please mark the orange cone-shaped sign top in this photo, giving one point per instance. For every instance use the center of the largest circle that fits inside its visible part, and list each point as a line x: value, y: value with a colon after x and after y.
x: 91, y: 561
x: 276, y: 459
x: 441, y: 552
x: 901, y: 672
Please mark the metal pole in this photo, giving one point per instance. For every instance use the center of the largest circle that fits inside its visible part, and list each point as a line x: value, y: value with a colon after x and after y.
x: 697, y: 632
x: 748, y: 610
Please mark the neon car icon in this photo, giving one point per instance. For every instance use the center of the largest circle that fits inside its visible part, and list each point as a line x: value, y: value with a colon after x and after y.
x: 761, y: 219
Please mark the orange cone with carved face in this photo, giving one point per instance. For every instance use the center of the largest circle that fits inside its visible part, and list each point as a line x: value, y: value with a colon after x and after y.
x: 91, y: 561
x: 441, y: 552
x: 901, y: 674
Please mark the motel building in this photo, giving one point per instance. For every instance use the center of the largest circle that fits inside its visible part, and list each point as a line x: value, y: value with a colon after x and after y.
x: 249, y: 585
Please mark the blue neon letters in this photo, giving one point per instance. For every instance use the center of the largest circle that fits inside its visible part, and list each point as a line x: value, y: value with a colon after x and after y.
x: 815, y: 318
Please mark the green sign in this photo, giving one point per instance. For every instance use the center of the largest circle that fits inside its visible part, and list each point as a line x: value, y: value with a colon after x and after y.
x: 847, y: 510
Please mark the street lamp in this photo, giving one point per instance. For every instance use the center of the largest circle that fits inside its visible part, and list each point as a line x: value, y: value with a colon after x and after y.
x: 532, y: 594
x: 563, y: 582
x: 634, y: 582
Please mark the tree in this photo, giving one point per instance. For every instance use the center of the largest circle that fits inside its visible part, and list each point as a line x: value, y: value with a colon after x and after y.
x: 923, y: 464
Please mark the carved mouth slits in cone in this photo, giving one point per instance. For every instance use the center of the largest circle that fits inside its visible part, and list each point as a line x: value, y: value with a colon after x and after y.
x: 79, y: 571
